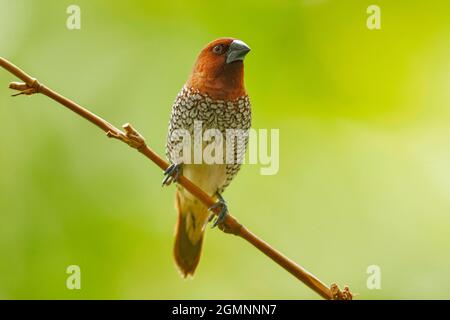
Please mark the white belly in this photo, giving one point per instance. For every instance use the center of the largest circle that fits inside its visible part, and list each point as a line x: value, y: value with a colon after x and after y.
x: 209, y: 177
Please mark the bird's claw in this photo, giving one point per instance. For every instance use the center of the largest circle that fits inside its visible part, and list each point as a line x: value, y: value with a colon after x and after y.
x: 172, y: 174
x: 222, y: 206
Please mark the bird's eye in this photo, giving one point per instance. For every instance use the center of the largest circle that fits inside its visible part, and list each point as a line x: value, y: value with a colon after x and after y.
x: 218, y: 49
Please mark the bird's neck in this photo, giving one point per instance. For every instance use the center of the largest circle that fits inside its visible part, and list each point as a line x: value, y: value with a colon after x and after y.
x: 228, y: 84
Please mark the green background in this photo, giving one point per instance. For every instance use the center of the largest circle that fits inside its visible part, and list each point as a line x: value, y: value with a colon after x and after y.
x: 364, y: 173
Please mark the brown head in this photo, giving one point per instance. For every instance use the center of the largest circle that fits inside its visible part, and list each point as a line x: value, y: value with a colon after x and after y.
x: 219, y: 69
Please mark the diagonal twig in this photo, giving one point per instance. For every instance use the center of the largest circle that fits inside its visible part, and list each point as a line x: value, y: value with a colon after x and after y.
x: 135, y: 140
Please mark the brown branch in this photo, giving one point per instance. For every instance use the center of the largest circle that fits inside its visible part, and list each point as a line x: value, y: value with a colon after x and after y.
x: 135, y: 140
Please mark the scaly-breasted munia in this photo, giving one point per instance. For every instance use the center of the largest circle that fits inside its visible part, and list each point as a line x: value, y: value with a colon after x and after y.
x: 215, y: 95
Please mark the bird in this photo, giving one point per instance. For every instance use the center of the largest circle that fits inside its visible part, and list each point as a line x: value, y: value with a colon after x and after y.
x: 215, y: 95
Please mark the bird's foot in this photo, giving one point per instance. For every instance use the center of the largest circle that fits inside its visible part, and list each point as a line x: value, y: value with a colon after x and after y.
x: 222, y: 208
x: 172, y: 174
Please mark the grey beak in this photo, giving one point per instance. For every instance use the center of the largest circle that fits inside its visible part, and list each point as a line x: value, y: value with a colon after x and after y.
x: 237, y: 51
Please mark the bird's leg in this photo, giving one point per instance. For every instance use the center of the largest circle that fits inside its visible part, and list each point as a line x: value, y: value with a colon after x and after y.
x: 220, y: 205
x: 172, y: 173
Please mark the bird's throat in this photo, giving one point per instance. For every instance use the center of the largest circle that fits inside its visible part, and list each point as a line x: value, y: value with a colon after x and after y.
x: 225, y: 84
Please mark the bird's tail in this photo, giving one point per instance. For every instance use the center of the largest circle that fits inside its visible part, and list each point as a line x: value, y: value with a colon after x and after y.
x: 192, y: 216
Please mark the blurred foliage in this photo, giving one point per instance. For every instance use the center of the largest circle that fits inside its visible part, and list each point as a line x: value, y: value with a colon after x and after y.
x: 365, y: 148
